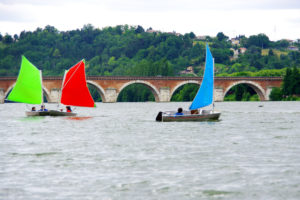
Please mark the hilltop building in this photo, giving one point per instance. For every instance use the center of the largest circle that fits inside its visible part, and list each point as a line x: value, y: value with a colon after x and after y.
x: 188, y: 70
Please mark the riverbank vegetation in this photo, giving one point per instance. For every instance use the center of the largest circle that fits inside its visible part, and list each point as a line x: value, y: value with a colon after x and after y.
x: 290, y: 88
x: 133, y: 51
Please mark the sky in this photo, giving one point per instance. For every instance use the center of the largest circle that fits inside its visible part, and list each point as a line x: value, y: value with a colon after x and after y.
x: 278, y: 19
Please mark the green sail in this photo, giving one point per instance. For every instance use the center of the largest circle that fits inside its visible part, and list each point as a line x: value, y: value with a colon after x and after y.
x: 28, y: 88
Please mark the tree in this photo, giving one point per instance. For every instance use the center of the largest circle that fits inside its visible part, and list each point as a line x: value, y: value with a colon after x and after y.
x: 282, y: 44
x: 16, y: 37
x: 276, y: 94
x: 295, y: 81
x: 139, y: 29
x: 221, y: 36
x: 291, y: 82
x: 192, y: 35
x: 260, y: 40
x: 7, y: 39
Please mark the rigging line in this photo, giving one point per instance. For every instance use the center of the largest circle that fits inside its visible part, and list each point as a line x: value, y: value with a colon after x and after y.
x: 64, y: 85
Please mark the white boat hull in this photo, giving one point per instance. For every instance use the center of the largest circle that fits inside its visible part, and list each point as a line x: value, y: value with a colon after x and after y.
x: 52, y: 113
x: 37, y: 113
x: 56, y: 113
x: 187, y: 116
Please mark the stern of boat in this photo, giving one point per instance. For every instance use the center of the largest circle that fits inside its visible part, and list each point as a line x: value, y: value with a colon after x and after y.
x: 159, y: 117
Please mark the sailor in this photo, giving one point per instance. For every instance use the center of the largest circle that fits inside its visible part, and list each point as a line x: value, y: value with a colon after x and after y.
x: 68, y: 108
x: 179, y: 112
x: 43, y: 108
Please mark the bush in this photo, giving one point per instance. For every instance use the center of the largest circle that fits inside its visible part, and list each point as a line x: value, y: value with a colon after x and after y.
x: 276, y: 94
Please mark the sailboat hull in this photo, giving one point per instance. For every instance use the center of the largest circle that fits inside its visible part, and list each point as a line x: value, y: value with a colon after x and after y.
x: 171, y: 117
x: 56, y: 113
x: 37, y: 113
x: 53, y: 113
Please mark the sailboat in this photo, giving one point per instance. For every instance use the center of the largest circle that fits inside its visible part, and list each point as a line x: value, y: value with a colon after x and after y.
x: 74, y: 90
x: 203, y: 98
x: 28, y: 87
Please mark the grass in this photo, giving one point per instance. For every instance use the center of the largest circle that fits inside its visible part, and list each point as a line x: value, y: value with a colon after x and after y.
x: 203, y: 43
x: 265, y: 52
x: 2, y: 46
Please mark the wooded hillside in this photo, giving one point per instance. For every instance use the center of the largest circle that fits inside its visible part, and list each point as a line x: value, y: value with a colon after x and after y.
x: 130, y: 50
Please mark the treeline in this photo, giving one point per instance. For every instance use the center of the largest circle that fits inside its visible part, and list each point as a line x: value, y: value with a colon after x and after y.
x: 290, y: 89
x: 120, y: 50
x: 133, y: 51
x: 261, y: 53
x: 130, y: 50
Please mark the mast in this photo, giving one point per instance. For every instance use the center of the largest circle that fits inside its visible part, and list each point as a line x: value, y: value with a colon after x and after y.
x: 42, y: 86
x: 213, y: 98
x: 62, y: 87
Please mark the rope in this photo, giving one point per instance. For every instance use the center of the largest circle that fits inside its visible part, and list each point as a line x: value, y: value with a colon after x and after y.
x: 71, y: 75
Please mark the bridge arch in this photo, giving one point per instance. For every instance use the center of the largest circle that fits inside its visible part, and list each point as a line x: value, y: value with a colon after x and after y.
x: 45, y: 92
x: 99, y: 89
x: 181, y: 84
x: 256, y: 87
x: 153, y: 89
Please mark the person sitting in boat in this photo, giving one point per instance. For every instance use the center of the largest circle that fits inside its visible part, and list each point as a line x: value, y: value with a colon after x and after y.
x: 194, y: 112
x: 68, y: 108
x: 179, y: 112
x: 33, y: 109
x: 43, y: 108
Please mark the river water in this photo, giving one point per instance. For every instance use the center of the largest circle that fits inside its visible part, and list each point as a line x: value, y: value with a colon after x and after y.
x: 118, y: 151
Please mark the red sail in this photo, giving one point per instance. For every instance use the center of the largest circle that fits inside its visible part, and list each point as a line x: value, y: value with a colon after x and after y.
x: 75, y: 91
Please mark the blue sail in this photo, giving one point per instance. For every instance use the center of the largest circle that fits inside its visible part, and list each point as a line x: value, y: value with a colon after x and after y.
x: 204, y: 95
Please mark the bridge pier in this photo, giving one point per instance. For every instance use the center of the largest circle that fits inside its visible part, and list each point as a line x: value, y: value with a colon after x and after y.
x: 111, y: 95
x: 164, y: 94
x: 2, y: 95
x: 54, y: 96
x: 218, y: 94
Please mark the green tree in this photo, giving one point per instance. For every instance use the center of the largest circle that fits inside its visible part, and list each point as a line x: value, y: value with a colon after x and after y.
x: 287, y: 83
x: 7, y: 39
x: 260, y: 40
x: 221, y: 36
x: 276, y: 94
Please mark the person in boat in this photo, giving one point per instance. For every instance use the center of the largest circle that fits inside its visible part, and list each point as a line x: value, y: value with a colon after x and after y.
x: 194, y: 112
x: 68, y: 108
x: 33, y: 109
x: 43, y: 108
x: 179, y: 112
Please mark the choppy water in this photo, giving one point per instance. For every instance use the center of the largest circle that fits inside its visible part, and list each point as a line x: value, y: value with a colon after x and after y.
x: 118, y: 151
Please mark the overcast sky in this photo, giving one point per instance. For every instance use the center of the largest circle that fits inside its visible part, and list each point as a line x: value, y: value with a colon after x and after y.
x: 278, y: 19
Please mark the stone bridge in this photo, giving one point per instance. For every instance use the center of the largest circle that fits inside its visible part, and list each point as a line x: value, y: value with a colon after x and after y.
x: 162, y: 87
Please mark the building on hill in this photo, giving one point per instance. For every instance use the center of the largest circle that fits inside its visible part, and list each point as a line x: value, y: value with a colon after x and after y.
x: 202, y: 37
x: 235, y: 41
x: 188, y: 70
x: 293, y: 48
x: 174, y: 33
x: 235, y: 54
x: 289, y: 41
x: 150, y: 30
x: 242, y: 50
